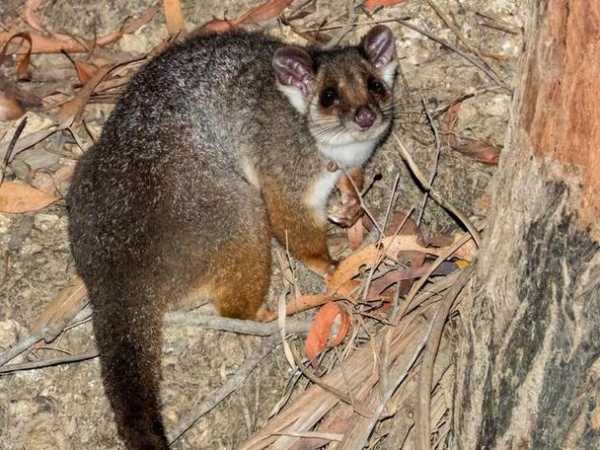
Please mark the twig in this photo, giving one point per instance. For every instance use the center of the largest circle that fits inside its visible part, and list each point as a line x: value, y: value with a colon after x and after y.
x: 20, y: 347
x: 419, y: 284
x: 171, y: 319
x: 312, y: 435
x: 339, y: 394
x: 234, y: 325
x: 345, y: 28
x: 381, y: 253
x: 10, y: 148
x: 438, y: 149
x: 422, y: 419
x: 398, y: 377
x: 434, y: 195
x: 455, y: 30
x: 356, y: 25
x: 48, y: 362
x: 483, y: 67
x: 227, y: 389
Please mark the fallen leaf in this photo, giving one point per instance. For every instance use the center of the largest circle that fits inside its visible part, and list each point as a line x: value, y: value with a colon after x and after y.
x: 173, y: 16
x: 20, y: 198
x: 23, y: 60
x: 448, y: 123
x: 56, y: 43
x: 23, y: 73
x: 61, y: 310
x: 356, y: 234
x: 30, y: 14
x: 391, y: 247
x: 266, y: 11
x: 329, y: 328
x: 10, y: 108
x: 215, y: 26
x: 372, y: 4
x: 479, y: 151
x: 394, y: 276
x: 85, y: 70
x: 71, y: 111
x: 304, y: 302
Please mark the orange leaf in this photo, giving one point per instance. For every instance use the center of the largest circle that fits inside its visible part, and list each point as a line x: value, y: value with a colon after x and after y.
x: 173, y: 17
x: 372, y: 4
x: 479, y: 151
x: 215, y: 26
x: 56, y: 43
x: 30, y: 14
x: 71, y: 111
x: 20, y: 198
x: 85, y: 70
x: 10, y: 107
x: 268, y: 10
x: 356, y: 234
x: 329, y: 328
x: 23, y: 61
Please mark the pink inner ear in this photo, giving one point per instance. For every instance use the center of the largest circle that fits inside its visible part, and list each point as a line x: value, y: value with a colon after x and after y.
x: 379, y: 45
x: 293, y: 67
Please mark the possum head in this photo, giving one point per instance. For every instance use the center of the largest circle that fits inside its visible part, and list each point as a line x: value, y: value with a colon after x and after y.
x: 344, y: 93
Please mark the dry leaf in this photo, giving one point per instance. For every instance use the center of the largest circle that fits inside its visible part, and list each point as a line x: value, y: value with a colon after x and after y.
x: 23, y: 61
x: 356, y: 234
x: 19, y: 198
x: 215, y: 26
x: 391, y: 247
x: 56, y: 43
x: 71, y: 111
x: 61, y: 310
x: 304, y: 302
x: 329, y: 327
x: 173, y: 16
x: 479, y: 151
x: 85, y: 70
x: 267, y: 11
x: 30, y: 14
x: 10, y: 107
x: 448, y: 124
x: 372, y: 4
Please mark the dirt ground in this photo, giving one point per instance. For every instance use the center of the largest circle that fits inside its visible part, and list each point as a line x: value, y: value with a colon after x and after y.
x: 64, y: 407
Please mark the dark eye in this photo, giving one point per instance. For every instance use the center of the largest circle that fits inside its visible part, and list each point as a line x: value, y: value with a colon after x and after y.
x: 328, y: 97
x: 375, y: 86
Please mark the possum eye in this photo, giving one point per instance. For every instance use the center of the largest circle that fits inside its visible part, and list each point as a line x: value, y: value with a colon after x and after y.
x: 328, y: 97
x: 375, y: 86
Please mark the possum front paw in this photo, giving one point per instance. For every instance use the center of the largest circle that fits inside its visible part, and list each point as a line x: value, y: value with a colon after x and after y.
x: 346, y: 213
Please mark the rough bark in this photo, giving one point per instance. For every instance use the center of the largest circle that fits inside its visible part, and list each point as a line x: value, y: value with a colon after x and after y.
x: 529, y: 360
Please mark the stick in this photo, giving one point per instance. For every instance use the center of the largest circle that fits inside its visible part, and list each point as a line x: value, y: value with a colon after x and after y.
x: 422, y: 416
x: 434, y: 194
x: 227, y: 389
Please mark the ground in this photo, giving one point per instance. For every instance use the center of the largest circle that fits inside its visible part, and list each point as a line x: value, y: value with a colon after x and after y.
x: 63, y: 407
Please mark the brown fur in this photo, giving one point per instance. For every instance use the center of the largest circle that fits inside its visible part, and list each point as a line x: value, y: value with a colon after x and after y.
x: 202, y: 161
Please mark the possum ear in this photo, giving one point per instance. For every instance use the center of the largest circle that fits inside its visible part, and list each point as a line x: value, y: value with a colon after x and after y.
x: 295, y: 75
x: 379, y: 46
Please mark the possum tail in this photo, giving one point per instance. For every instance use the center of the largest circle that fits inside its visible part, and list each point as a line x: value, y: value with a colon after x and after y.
x: 129, y: 337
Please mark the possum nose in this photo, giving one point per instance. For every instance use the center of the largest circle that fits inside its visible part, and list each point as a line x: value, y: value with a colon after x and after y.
x: 364, y: 117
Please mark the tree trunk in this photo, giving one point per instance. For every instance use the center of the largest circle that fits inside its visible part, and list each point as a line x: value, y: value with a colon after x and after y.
x: 529, y: 360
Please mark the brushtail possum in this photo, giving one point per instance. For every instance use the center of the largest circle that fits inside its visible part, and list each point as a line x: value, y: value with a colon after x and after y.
x: 218, y: 144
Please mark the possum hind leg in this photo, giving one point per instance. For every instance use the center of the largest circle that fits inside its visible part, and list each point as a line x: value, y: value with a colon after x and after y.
x: 238, y: 277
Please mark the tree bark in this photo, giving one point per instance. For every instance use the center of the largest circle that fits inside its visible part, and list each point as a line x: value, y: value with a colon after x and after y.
x: 528, y: 374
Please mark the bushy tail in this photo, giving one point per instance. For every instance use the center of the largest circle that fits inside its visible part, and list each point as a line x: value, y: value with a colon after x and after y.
x: 129, y: 337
